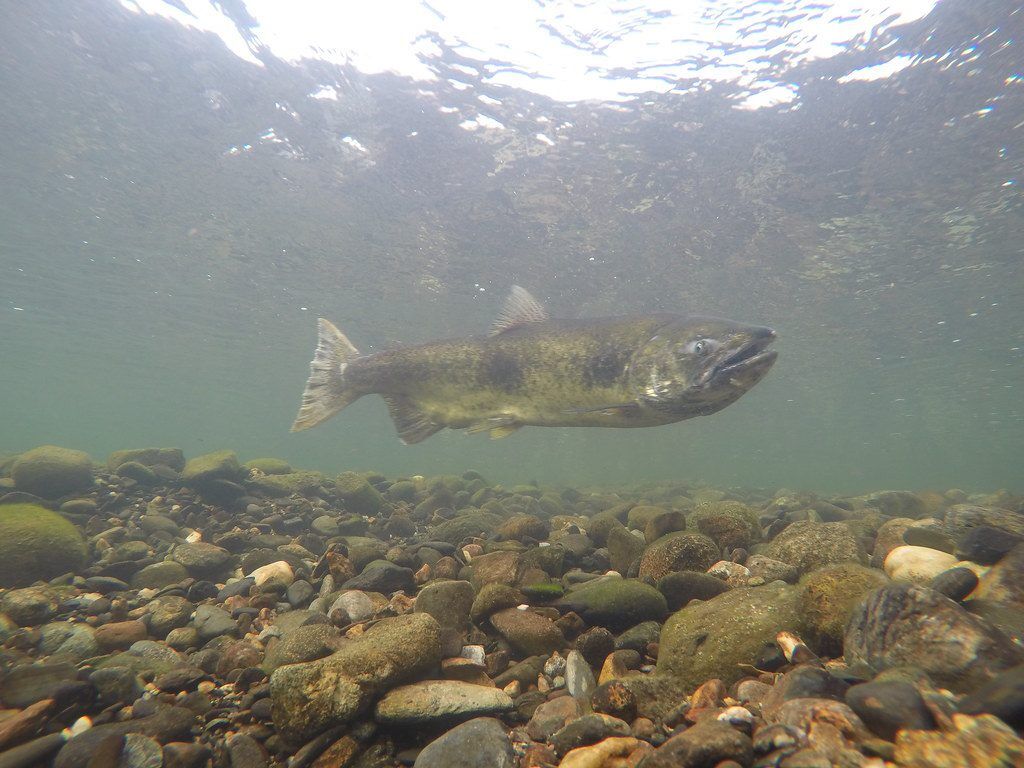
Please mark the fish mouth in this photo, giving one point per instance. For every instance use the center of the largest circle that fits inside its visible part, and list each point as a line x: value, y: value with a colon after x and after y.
x: 751, y: 356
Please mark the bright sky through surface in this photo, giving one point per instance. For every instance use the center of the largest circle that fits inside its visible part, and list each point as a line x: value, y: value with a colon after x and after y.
x: 568, y: 51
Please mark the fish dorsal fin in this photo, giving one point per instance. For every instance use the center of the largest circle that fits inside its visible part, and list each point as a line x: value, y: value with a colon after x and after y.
x: 520, y: 309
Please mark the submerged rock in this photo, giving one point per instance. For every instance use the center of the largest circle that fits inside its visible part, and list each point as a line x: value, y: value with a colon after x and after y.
x: 827, y: 599
x: 440, y: 701
x: 807, y: 545
x: 36, y: 545
x: 678, y: 552
x: 479, y: 743
x: 910, y: 625
x: 711, y: 639
x: 51, y: 472
x: 615, y: 603
x: 308, y: 698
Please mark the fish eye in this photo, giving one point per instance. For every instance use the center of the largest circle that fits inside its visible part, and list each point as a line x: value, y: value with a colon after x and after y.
x: 699, y: 347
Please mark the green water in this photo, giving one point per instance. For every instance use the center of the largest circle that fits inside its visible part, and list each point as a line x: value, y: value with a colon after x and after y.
x: 160, y: 279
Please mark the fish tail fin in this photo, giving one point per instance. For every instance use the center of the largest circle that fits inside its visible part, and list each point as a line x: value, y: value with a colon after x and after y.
x: 326, y: 390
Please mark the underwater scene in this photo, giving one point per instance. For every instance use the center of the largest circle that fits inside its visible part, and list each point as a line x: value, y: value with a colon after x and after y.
x: 565, y: 383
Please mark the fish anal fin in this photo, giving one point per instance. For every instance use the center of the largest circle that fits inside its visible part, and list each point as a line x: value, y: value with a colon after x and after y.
x: 495, y: 426
x: 412, y: 424
x: 620, y: 409
x: 520, y: 309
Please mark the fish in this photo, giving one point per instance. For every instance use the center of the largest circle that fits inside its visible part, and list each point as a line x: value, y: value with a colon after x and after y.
x: 532, y: 370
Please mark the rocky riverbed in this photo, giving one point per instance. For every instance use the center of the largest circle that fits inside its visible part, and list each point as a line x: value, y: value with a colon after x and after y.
x: 162, y: 612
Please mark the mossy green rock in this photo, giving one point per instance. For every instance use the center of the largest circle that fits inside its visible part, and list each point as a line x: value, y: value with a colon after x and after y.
x: 640, y: 515
x: 51, y: 472
x: 472, y: 523
x: 679, y: 552
x: 219, y: 465
x: 827, y: 599
x: 140, y: 473
x: 711, y: 639
x: 150, y: 457
x: 600, y: 524
x: 358, y: 494
x: 270, y: 466
x: 288, y: 483
x: 493, y: 598
x: 616, y: 604
x: 36, y: 544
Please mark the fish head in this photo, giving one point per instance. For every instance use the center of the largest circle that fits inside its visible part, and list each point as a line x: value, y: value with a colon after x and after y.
x: 697, y: 366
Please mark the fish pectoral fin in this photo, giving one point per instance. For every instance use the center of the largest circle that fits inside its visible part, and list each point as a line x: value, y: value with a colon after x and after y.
x: 621, y: 409
x: 496, y: 426
x: 412, y: 424
x: 520, y: 309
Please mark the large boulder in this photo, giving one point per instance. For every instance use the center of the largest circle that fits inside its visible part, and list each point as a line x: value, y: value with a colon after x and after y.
x: 808, y: 545
x: 36, y: 545
x: 309, y: 698
x: 909, y: 625
x: 827, y: 599
x: 712, y: 639
x: 679, y: 552
x: 149, y: 457
x: 51, y: 472
x: 210, y: 467
x: 615, y: 603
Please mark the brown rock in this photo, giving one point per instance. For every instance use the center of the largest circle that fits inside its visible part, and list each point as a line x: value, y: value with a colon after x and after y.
x: 119, y: 635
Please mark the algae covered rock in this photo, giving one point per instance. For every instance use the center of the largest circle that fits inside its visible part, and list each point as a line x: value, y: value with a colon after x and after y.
x: 827, y: 599
x: 310, y: 697
x: 712, y: 639
x: 36, y: 544
x: 472, y: 523
x: 730, y: 524
x: 269, y: 466
x: 615, y: 603
x: 285, y: 484
x: 358, y: 494
x: 808, y: 545
x: 51, y: 472
x: 679, y: 552
x: 149, y: 457
x: 219, y: 465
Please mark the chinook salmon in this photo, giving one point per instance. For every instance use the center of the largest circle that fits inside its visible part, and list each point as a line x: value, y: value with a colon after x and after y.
x: 638, y: 371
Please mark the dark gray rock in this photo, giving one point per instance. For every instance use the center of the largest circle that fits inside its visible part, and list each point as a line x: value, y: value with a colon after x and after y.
x: 681, y: 587
x: 706, y: 744
x: 166, y: 724
x: 585, y: 730
x: 382, y: 576
x: 448, y: 602
x: 211, y: 622
x: 29, y: 683
x: 479, y: 743
x: 956, y: 583
x: 1003, y: 697
x: 201, y: 558
x: 887, y: 706
x: 986, y: 545
x: 903, y: 625
x: 299, y: 593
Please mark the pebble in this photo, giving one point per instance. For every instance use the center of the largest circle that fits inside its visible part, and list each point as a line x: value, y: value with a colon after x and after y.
x: 440, y: 701
x: 956, y: 583
x: 889, y: 706
x: 479, y: 743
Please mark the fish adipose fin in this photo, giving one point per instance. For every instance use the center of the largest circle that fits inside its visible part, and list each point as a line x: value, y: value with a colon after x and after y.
x: 413, y: 425
x: 496, y: 426
x: 326, y: 392
x: 520, y: 309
